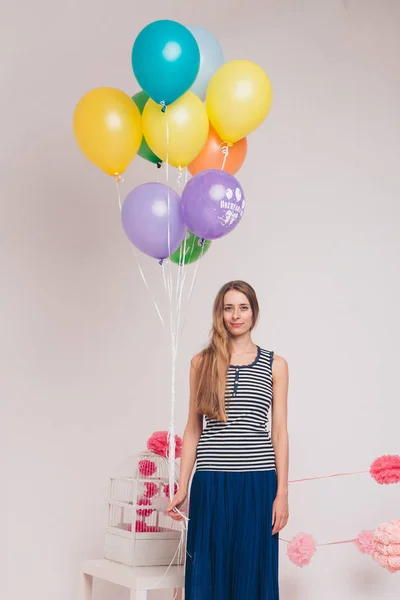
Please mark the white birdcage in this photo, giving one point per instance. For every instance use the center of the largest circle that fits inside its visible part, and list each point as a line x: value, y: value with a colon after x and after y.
x: 139, y: 531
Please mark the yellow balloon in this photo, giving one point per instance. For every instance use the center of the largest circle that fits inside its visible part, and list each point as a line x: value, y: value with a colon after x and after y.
x: 108, y: 128
x: 178, y: 134
x: 238, y: 99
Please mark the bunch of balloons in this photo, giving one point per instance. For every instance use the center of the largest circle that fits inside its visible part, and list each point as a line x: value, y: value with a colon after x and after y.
x: 195, y: 111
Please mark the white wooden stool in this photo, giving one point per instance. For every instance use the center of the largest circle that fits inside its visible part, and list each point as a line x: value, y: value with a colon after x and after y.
x: 139, y: 580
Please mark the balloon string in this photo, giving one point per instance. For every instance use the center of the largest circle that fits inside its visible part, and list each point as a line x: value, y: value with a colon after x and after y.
x: 180, y: 285
x: 118, y: 180
x: 165, y: 280
x: 181, y: 279
x: 169, y: 282
x: 192, y: 284
x: 169, y: 199
x: 182, y: 255
x: 225, y: 151
x: 167, y: 144
x: 178, y: 554
x: 171, y: 430
x: 184, y: 268
x: 179, y: 177
x: 182, y: 248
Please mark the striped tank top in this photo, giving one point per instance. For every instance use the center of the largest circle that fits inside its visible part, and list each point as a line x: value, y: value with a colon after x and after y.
x: 243, y: 443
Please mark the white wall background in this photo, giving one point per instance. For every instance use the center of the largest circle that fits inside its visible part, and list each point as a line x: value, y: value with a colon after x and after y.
x: 85, y: 373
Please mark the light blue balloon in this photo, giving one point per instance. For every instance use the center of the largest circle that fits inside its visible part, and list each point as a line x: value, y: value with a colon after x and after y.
x: 165, y: 60
x: 211, y: 58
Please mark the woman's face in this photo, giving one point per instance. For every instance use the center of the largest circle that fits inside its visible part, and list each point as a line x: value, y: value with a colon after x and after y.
x: 238, y: 316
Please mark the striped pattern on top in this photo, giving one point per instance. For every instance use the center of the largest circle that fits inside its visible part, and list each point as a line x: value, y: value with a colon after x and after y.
x: 243, y: 443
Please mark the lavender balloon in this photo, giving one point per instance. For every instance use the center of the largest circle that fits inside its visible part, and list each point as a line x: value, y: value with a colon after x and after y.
x: 212, y: 203
x: 145, y: 219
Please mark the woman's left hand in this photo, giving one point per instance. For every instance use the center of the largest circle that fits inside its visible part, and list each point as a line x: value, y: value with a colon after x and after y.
x: 280, y: 512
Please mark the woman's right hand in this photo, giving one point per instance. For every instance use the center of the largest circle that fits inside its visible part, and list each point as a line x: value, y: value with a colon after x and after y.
x: 176, y: 503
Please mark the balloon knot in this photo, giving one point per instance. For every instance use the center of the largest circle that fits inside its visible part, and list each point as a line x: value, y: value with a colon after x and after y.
x: 159, y: 165
x: 202, y: 241
x: 161, y: 262
x: 163, y: 106
x: 118, y: 178
x: 230, y: 144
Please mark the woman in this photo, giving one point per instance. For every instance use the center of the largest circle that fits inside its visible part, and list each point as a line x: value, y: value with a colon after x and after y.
x: 239, y: 491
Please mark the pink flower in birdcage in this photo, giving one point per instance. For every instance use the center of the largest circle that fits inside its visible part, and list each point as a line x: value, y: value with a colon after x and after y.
x: 386, y: 545
x: 151, y: 489
x: 166, y: 489
x: 159, y: 444
x: 364, y: 541
x: 386, y: 469
x: 140, y: 526
x: 301, y: 549
x: 144, y: 512
x: 147, y: 468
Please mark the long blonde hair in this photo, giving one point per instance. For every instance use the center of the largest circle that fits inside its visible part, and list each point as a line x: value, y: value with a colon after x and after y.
x: 215, y: 359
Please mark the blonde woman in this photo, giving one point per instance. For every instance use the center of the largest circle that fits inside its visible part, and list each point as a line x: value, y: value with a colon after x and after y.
x: 239, y: 490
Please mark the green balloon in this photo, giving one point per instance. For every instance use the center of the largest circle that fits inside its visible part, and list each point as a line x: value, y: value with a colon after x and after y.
x: 195, y: 248
x: 145, y: 152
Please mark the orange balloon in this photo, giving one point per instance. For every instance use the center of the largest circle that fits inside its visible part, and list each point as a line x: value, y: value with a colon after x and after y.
x: 213, y: 155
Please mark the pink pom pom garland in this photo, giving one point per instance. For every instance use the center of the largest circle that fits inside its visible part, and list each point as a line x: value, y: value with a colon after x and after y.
x: 385, y: 470
x: 382, y: 544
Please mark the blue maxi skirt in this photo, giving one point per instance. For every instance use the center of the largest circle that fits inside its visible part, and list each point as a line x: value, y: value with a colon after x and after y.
x: 231, y: 552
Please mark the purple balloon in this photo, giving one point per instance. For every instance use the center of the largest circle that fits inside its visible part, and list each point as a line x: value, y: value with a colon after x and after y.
x: 212, y: 203
x: 145, y: 219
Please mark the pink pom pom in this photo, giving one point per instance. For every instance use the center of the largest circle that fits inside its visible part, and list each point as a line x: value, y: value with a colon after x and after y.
x: 386, y: 469
x: 151, y: 489
x: 147, y: 468
x: 144, y: 512
x: 158, y: 443
x: 388, y: 533
x: 364, y: 541
x: 166, y: 489
x: 301, y: 549
x: 386, y: 545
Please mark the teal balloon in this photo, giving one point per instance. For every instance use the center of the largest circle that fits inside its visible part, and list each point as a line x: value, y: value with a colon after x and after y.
x: 195, y: 249
x: 145, y: 152
x: 165, y: 60
x: 211, y: 59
